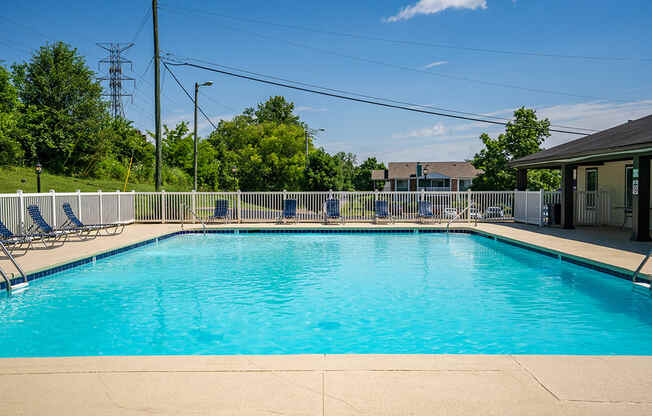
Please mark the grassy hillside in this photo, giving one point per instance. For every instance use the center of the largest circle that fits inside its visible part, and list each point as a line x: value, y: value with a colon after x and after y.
x: 14, y: 178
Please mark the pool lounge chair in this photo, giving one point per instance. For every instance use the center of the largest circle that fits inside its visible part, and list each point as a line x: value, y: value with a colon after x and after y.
x: 332, y: 211
x: 74, y: 222
x: 41, y: 226
x: 221, y: 211
x: 381, y: 212
x: 289, y: 211
x: 22, y: 242
x: 425, y: 211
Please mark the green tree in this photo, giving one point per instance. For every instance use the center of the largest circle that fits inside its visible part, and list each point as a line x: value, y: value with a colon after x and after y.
x: 523, y: 136
x: 322, y: 173
x: 362, y: 180
x: 178, y: 147
x: 63, y: 117
x: 11, y: 152
x: 346, y: 170
x: 268, y: 156
x: 276, y: 110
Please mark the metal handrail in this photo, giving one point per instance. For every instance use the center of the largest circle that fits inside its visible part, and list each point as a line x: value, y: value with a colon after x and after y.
x: 13, y: 260
x: 456, y: 217
x: 194, y: 214
x: 640, y: 267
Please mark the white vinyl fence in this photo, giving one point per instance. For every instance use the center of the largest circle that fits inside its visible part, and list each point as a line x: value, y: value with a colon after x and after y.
x: 529, y: 207
x: 90, y: 208
x: 354, y: 206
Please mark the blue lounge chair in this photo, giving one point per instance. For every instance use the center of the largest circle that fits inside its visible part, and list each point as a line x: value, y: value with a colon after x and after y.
x: 332, y: 210
x: 74, y: 222
x: 289, y: 210
x: 14, y: 241
x: 42, y: 227
x: 221, y: 211
x: 425, y: 211
x: 381, y: 209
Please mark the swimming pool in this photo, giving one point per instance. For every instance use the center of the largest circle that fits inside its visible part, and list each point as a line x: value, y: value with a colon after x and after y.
x: 326, y: 293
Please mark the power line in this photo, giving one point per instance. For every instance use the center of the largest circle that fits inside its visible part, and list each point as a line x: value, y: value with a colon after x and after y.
x: 407, y: 42
x: 165, y: 64
x: 142, y: 24
x: 349, y: 98
x: 484, y: 116
x: 406, y: 68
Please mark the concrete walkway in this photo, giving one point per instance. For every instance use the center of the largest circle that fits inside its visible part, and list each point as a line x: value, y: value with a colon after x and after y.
x: 335, y: 384
x: 327, y: 385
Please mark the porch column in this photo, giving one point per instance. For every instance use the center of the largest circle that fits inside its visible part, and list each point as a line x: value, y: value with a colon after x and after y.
x: 521, y: 179
x: 567, y: 205
x: 641, y: 199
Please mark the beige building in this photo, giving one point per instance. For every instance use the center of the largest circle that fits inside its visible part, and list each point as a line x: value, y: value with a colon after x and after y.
x: 607, y: 173
x: 428, y: 176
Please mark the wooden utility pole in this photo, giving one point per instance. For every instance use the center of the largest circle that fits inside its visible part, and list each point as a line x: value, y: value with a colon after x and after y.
x: 157, y: 97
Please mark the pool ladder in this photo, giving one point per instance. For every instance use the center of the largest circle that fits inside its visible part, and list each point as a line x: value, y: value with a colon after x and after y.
x: 17, y: 287
x: 638, y: 271
x: 194, y: 214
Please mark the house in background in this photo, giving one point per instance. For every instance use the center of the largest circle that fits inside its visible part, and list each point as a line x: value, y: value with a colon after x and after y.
x: 428, y: 176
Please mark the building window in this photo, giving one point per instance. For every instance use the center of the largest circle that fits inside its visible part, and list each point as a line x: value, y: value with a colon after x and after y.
x: 591, y: 187
x: 402, y: 185
x: 629, y: 180
x: 464, y: 184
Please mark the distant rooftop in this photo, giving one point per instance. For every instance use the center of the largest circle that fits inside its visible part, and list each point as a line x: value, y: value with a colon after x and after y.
x: 403, y: 170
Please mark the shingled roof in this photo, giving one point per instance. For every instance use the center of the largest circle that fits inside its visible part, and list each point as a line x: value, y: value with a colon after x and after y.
x: 403, y: 170
x: 628, y: 138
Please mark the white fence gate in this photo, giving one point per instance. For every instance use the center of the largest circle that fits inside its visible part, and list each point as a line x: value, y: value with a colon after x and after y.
x: 528, y: 207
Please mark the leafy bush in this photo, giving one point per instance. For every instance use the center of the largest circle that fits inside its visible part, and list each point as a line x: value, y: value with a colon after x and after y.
x: 110, y: 168
x: 177, y: 178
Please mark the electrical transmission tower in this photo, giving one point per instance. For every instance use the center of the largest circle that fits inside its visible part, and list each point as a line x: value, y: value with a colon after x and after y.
x: 115, y: 75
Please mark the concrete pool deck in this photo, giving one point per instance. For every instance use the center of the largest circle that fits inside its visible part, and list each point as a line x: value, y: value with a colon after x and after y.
x: 336, y: 384
x: 327, y: 385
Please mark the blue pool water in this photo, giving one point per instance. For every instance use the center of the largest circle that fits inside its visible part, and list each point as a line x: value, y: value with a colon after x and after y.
x: 326, y: 293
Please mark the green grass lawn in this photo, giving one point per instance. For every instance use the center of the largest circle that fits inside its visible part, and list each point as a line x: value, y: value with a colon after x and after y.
x: 14, y: 178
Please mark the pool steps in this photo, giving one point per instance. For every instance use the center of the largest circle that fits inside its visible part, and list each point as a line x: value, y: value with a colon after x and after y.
x: 638, y: 270
x: 16, y: 287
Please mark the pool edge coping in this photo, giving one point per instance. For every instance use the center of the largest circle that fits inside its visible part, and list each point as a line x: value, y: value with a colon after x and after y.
x: 607, y: 268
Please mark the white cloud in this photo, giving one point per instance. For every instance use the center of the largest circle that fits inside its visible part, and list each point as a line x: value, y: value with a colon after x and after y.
x: 306, y: 109
x: 460, y: 140
x: 436, y: 130
x: 591, y: 115
x: 435, y: 6
x: 433, y: 64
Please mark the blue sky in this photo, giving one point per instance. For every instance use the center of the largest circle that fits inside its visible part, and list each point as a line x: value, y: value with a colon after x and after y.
x: 261, y: 36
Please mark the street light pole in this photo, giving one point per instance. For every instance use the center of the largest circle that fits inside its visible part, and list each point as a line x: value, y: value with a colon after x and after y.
x: 38, y: 177
x: 194, y: 158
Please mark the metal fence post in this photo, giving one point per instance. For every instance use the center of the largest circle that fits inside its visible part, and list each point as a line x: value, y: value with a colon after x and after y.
x: 21, y: 207
x: 133, y: 204
x: 79, y: 205
x: 54, y: 208
x: 163, y: 206
x: 239, y: 206
x: 468, y: 213
x: 541, y: 208
x: 194, y: 205
x: 99, y: 199
x: 527, y: 213
x: 118, y: 199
